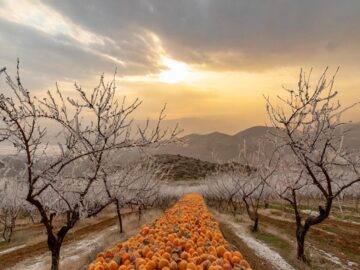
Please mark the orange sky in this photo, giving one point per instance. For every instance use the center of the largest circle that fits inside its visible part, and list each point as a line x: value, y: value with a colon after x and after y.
x: 210, y: 61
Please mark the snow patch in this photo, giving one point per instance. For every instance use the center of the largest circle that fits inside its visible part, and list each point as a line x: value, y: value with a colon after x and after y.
x: 309, y: 212
x: 11, y: 249
x: 332, y: 258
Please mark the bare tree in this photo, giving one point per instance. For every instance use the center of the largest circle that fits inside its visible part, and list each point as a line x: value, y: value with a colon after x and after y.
x: 355, y: 194
x: 91, y: 124
x: 134, y: 185
x: 239, y: 185
x: 223, y: 188
x: 11, y: 203
x: 253, y: 187
x: 310, y: 140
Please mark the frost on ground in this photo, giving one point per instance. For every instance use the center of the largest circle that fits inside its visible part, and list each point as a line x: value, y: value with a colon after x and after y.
x: 79, y: 253
x: 259, y: 248
x: 11, y: 249
x: 70, y: 253
x: 332, y: 258
x: 309, y: 212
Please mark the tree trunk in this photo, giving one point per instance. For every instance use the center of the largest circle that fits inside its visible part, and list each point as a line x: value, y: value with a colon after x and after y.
x: 266, y: 203
x: 55, y: 256
x: 139, y: 213
x: 234, y: 209
x: 256, y: 223
x: 7, y: 233
x: 357, y: 199
x: 32, y: 219
x: 301, y: 232
x: 339, y: 201
x: 55, y: 243
x: 8, y: 227
x: 253, y: 215
x: 118, y: 210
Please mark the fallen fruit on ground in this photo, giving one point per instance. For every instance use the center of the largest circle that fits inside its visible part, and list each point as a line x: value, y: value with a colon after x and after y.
x: 185, y: 237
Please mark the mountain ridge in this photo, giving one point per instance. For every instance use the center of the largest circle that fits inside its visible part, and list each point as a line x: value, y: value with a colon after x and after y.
x: 221, y: 147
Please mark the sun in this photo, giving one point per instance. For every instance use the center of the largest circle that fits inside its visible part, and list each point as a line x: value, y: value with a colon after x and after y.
x: 175, y: 71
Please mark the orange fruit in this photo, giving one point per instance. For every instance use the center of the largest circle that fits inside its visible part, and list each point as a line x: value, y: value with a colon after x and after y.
x: 185, y: 237
x: 182, y: 265
x: 235, y: 259
x: 220, y: 250
x: 191, y: 266
x: 150, y: 265
x: 163, y: 263
x: 113, y: 265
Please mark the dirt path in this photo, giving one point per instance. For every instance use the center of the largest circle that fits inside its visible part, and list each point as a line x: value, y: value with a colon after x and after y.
x: 75, y: 252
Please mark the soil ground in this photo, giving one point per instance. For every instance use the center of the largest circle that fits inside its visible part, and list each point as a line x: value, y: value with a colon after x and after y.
x: 335, y: 244
x: 82, y: 243
x: 256, y: 262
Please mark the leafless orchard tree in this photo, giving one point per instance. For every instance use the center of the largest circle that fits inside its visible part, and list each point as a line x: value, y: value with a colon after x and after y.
x: 223, y: 189
x: 146, y: 189
x: 311, y: 144
x: 91, y: 124
x: 169, y: 194
x: 355, y: 195
x: 11, y: 203
x: 135, y: 185
x: 253, y: 187
x: 236, y: 186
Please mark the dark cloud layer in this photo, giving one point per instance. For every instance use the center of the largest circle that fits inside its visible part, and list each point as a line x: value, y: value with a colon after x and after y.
x: 228, y: 34
x: 235, y: 34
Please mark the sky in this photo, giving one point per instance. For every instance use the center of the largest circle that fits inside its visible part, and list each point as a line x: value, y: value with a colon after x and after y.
x: 210, y: 61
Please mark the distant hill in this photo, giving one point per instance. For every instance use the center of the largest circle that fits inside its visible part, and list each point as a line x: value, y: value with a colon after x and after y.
x: 220, y: 147
x: 200, y: 151
x: 179, y: 167
x: 352, y: 135
x: 11, y: 166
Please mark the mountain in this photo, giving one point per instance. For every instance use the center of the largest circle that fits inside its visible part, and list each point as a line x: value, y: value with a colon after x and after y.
x: 216, y: 146
x: 351, y: 135
x: 10, y: 166
x: 220, y: 147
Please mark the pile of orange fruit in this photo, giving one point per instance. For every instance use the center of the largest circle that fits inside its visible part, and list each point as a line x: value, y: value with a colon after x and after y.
x: 185, y: 237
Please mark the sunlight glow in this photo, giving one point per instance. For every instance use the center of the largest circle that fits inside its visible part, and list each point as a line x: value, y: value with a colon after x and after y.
x: 176, y: 71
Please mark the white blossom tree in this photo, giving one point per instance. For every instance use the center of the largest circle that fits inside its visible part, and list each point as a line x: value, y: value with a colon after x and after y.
x: 91, y: 124
x: 310, y: 142
x: 253, y: 186
x: 223, y: 189
x: 11, y: 203
x: 237, y: 185
x: 134, y: 185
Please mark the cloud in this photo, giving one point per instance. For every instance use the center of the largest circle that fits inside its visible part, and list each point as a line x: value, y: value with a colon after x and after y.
x: 43, y: 18
x: 74, y: 39
x: 228, y: 34
x: 234, y: 50
x: 52, y: 47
